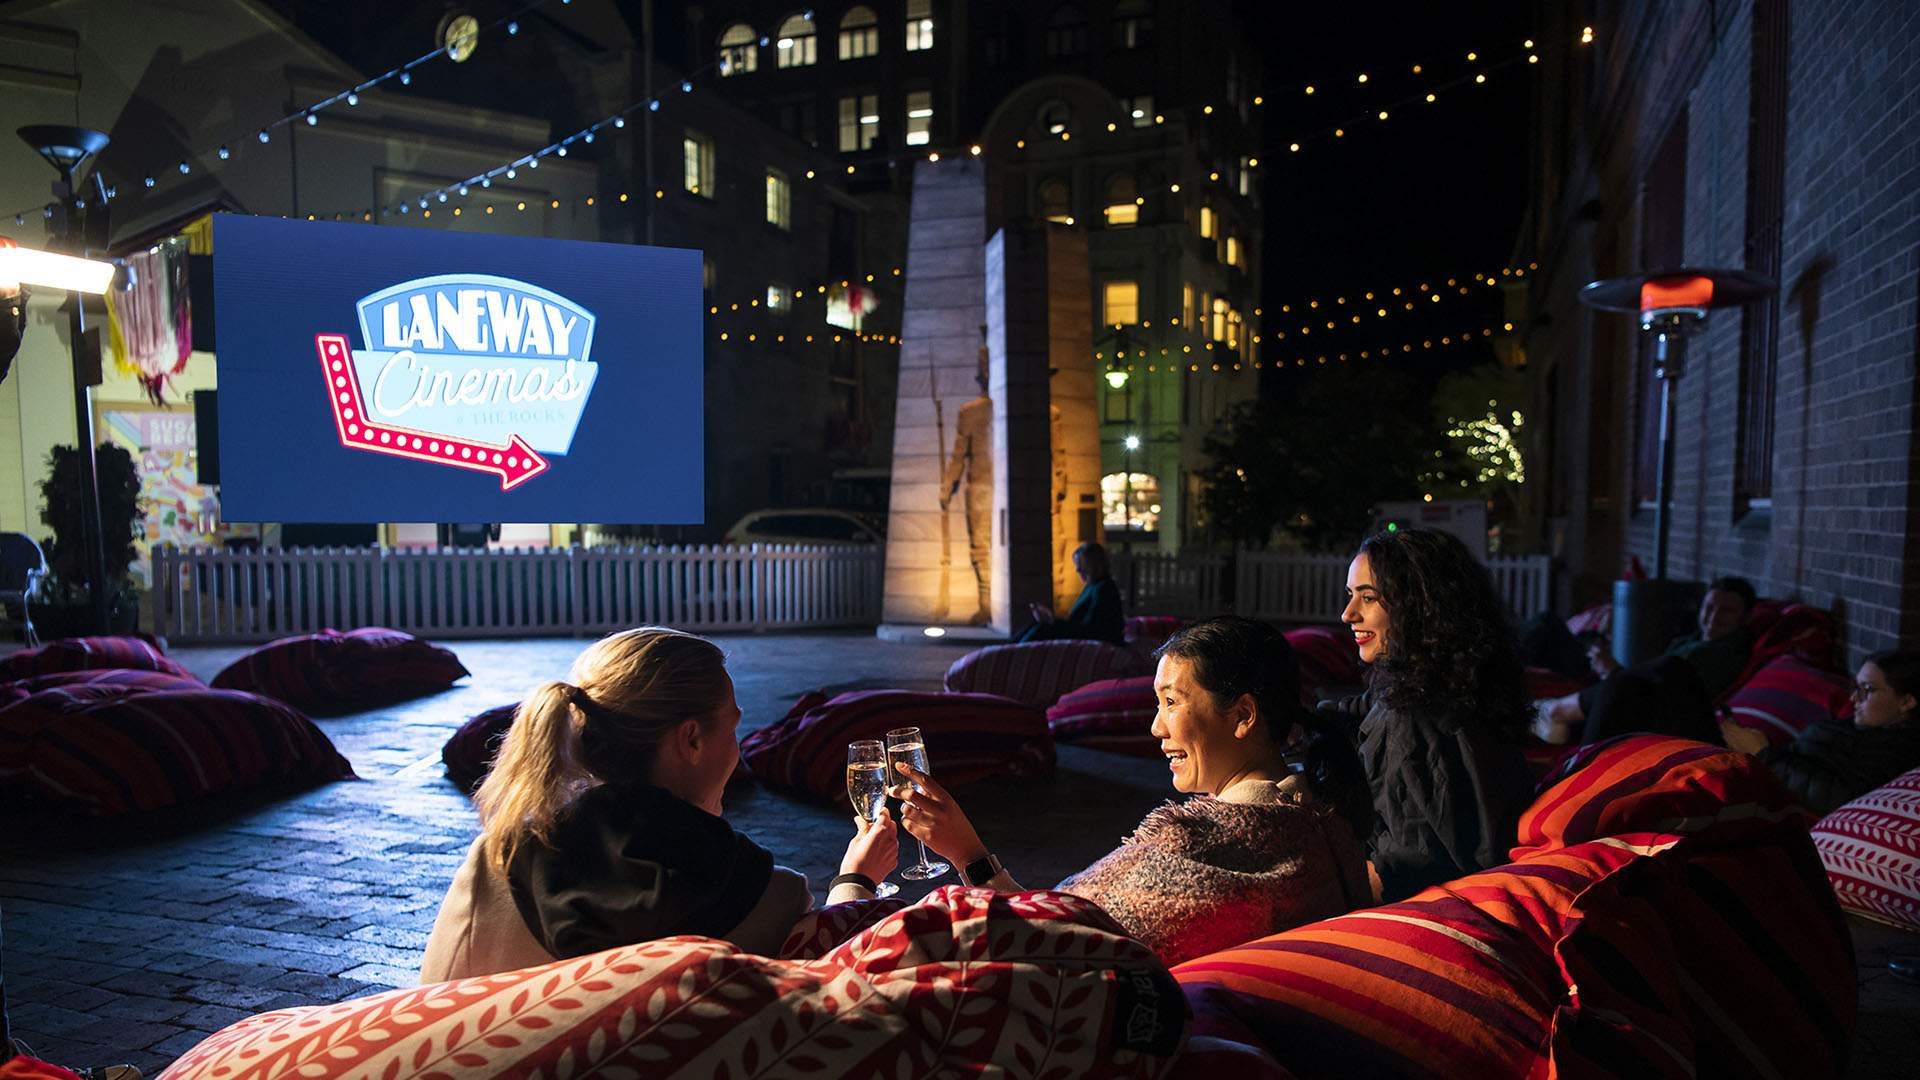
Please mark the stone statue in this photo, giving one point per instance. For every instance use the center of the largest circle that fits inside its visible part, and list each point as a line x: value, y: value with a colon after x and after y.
x: 971, y: 462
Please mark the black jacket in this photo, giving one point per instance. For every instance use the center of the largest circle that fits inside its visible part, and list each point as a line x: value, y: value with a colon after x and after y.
x: 1833, y: 763
x: 1096, y: 616
x: 1446, y: 797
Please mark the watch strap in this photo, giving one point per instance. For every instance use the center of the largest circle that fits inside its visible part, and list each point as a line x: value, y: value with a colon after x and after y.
x: 982, y: 870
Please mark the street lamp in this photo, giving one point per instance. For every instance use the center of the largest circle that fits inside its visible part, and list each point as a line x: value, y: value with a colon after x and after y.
x: 1673, y: 307
x: 67, y: 149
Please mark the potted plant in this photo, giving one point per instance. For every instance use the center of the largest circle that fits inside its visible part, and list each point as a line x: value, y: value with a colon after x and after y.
x: 65, y: 609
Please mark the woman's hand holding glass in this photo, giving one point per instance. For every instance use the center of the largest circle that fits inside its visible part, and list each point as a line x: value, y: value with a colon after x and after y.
x: 932, y: 815
x: 875, y: 848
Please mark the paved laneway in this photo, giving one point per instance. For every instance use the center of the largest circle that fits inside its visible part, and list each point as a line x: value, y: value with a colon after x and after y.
x: 130, y: 941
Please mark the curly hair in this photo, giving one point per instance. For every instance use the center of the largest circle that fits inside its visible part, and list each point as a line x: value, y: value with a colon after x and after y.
x: 1450, y: 646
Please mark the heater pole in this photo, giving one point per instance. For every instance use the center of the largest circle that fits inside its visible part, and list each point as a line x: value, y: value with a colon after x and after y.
x: 92, y: 535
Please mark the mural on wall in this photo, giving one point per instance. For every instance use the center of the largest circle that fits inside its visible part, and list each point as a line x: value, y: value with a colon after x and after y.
x: 176, y: 509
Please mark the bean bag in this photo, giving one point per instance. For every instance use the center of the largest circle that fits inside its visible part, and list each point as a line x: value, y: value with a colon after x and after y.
x: 1871, y: 850
x: 106, y: 748
x: 1038, y: 672
x: 1329, y: 660
x: 1112, y: 714
x: 1781, y: 628
x: 969, y: 737
x: 1544, y: 683
x: 1788, y: 696
x: 1145, y: 633
x: 1597, y: 619
x: 22, y: 1067
x: 468, y: 755
x: 1650, y: 783
x: 89, y: 654
x: 1458, y: 980
x: 124, y: 678
x: 330, y: 672
x: 965, y: 982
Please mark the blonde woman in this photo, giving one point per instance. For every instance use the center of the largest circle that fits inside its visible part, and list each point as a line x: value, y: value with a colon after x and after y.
x: 601, y: 822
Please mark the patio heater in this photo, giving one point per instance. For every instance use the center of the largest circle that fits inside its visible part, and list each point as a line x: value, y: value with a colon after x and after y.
x: 1672, y: 306
x: 67, y: 149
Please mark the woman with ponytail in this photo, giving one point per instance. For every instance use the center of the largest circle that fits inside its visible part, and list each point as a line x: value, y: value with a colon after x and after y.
x: 600, y: 822
x: 1272, y: 842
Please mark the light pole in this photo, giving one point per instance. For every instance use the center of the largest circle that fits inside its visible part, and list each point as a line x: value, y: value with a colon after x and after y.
x: 67, y: 149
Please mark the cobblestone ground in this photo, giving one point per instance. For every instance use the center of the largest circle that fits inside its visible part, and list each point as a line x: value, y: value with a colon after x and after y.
x: 130, y: 941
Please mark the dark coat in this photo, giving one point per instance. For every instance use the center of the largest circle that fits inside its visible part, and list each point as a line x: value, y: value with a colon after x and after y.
x: 1447, y: 797
x: 1833, y: 763
x: 1095, y: 616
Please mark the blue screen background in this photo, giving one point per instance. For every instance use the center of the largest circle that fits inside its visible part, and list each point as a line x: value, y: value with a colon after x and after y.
x: 636, y: 458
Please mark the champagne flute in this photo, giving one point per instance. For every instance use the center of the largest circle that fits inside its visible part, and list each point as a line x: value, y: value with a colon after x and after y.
x: 906, y: 745
x: 867, y: 788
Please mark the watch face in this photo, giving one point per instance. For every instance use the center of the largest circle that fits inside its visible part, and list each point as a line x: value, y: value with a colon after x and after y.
x: 459, y: 35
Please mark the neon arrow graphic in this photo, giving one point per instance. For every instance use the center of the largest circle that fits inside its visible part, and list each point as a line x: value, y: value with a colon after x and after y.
x: 515, y: 463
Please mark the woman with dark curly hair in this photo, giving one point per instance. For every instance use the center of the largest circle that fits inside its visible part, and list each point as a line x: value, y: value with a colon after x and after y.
x: 1442, y: 721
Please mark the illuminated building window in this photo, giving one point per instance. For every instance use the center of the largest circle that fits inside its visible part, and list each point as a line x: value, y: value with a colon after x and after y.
x: 1130, y: 500
x: 796, y: 46
x: 1122, y: 211
x: 1245, y: 176
x: 919, y: 25
x: 779, y: 199
x: 1120, y: 303
x: 859, y: 122
x: 698, y: 151
x: 1132, y: 25
x: 1218, y: 331
x: 859, y: 34
x: 1056, y: 201
x: 919, y: 117
x: 706, y: 273
x: 1139, y: 110
x: 739, y: 50
x: 1066, y: 31
x: 1186, y: 304
x: 1233, y: 250
x: 779, y: 299
x: 1209, y: 223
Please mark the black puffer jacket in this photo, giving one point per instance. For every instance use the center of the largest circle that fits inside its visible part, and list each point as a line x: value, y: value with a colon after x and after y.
x: 1446, y: 797
x: 1833, y: 763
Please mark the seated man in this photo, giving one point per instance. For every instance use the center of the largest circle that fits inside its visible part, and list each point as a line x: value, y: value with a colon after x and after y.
x: 1674, y: 693
x: 1096, y: 612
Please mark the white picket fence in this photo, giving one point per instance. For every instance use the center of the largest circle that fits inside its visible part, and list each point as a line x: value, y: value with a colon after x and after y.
x: 1285, y: 586
x: 204, y: 595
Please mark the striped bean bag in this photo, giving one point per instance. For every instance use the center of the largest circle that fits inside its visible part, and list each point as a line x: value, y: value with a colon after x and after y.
x: 330, y: 672
x: 125, y: 679
x: 1597, y: 619
x: 1871, y: 849
x: 1788, y: 696
x: 966, y: 982
x: 969, y: 737
x: 1782, y: 628
x: 1650, y: 783
x: 1145, y: 633
x: 107, y: 749
x: 1112, y: 714
x: 1458, y: 980
x: 1038, y: 672
x: 89, y: 654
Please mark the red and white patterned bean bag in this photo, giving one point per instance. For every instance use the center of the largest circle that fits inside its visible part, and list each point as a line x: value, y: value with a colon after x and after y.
x: 1038, y: 672
x: 966, y: 982
x: 89, y: 654
x: 1871, y: 849
x: 969, y: 737
x: 331, y: 672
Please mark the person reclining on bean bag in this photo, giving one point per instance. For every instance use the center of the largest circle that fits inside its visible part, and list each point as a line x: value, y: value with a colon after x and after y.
x: 1839, y: 759
x: 1096, y: 614
x: 601, y: 822
x: 1272, y: 843
x: 1674, y: 693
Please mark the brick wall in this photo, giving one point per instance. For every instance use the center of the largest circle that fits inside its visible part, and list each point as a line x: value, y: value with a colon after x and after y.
x: 1845, y: 482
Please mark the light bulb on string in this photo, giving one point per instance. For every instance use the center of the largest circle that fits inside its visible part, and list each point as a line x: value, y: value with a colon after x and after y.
x: 312, y: 120
x: 263, y: 135
x: 406, y: 78
x: 353, y: 98
x: 224, y: 153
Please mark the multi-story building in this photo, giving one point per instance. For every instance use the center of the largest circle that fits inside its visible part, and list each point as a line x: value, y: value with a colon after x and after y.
x: 1135, y: 120
x: 1763, y: 135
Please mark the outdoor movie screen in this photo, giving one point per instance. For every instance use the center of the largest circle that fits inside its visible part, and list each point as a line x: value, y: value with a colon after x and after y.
x: 374, y: 373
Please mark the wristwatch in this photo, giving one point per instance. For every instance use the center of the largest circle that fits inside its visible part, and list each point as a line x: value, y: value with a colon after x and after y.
x: 981, y: 870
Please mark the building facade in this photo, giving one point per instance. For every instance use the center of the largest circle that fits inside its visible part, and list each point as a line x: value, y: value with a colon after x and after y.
x: 1135, y: 121
x: 1768, y: 135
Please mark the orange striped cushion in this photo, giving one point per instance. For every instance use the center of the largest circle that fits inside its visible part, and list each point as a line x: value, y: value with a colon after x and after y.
x: 1459, y: 980
x: 1649, y: 783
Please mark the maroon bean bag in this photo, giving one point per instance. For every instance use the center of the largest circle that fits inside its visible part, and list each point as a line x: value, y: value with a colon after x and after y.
x: 331, y: 672
x: 1038, y: 672
x: 468, y: 755
x: 110, y: 746
x: 1329, y: 660
x: 969, y: 737
x: 125, y: 678
x: 1112, y: 714
x: 89, y: 654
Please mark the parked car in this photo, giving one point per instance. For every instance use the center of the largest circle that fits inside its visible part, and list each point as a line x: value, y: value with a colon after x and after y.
x: 808, y: 525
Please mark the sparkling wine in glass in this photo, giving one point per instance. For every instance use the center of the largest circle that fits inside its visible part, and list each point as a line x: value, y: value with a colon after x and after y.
x: 907, y: 745
x: 867, y: 788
